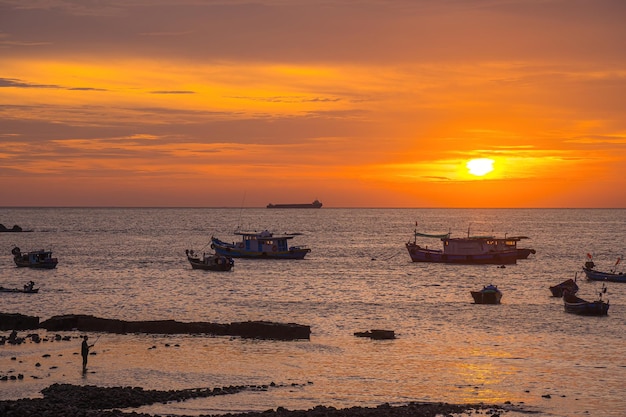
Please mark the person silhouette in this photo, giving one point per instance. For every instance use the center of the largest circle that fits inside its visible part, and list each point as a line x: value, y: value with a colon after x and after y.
x: 84, y: 351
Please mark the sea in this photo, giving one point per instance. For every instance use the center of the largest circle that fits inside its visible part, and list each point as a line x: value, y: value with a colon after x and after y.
x: 130, y: 264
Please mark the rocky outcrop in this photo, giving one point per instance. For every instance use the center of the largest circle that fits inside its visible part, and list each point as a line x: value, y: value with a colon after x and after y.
x: 64, y: 400
x: 15, y: 321
x: 377, y: 334
x: 248, y: 329
x: 15, y: 228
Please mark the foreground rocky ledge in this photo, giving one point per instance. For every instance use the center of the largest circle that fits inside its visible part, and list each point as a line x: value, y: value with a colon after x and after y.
x: 91, y: 401
x: 87, y: 323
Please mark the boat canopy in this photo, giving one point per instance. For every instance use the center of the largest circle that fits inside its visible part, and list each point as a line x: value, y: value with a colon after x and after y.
x: 442, y: 236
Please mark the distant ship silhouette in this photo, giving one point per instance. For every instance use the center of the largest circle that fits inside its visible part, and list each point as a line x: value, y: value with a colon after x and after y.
x: 315, y: 204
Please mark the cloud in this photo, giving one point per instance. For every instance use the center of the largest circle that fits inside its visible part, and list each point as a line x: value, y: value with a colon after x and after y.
x: 15, y: 83
x: 173, y: 92
x: 11, y: 82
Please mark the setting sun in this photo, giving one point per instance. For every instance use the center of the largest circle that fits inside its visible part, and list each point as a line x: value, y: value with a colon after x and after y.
x: 480, y: 166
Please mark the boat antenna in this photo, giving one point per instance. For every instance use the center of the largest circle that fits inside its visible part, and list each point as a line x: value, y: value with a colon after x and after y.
x: 241, y: 211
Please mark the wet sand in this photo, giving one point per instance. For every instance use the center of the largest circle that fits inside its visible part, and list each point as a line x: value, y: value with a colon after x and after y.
x: 72, y: 399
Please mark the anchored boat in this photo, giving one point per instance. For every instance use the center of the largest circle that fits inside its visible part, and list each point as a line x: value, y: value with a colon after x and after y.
x: 576, y: 305
x: 209, y: 262
x: 467, y: 250
x: 490, y: 294
x: 260, y: 245
x: 35, y: 259
x: 28, y: 289
x: 595, y: 275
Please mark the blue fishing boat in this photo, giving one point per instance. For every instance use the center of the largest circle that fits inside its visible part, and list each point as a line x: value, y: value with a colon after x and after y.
x: 41, y: 259
x: 261, y: 245
x: 576, y: 305
x: 595, y: 275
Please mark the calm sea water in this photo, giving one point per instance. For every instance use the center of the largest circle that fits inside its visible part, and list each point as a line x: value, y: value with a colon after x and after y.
x: 130, y: 264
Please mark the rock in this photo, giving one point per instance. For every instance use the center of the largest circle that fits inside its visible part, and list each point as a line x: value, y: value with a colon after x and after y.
x: 16, y: 321
x: 248, y: 329
x: 15, y: 228
x: 377, y: 334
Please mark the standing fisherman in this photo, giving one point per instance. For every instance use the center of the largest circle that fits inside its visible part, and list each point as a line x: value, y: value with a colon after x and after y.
x: 84, y: 351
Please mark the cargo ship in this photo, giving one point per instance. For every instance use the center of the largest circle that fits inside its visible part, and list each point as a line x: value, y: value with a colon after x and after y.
x: 315, y: 204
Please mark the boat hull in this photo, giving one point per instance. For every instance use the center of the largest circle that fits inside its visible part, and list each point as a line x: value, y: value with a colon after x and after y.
x: 419, y: 254
x: 569, y: 285
x: 225, y: 264
x: 47, y: 264
x: 524, y: 253
x: 17, y: 290
x: 581, y: 307
x: 594, y: 275
x: 235, y: 252
x: 486, y: 297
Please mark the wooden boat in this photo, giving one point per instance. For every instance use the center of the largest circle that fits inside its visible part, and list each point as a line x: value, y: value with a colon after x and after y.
x: 315, y: 204
x: 210, y: 262
x: 595, y: 275
x: 263, y: 245
x: 28, y: 289
x: 35, y: 259
x: 490, y: 294
x: 467, y: 250
x: 568, y: 285
x: 576, y: 305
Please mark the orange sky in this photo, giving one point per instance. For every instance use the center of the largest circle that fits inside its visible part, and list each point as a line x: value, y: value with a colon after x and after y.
x: 366, y: 103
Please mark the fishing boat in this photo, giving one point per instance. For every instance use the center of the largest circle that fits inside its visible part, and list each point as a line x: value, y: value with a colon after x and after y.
x: 490, y: 294
x: 41, y: 259
x: 567, y: 285
x: 209, y: 262
x: 466, y: 250
x: 28, y: 289
x: 262, y: 245
x: 576, y: 305
x: 595, y: 275
x: 314, y: 204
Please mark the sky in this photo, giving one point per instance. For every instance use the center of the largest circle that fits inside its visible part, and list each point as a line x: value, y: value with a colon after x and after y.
x: 364, y: 103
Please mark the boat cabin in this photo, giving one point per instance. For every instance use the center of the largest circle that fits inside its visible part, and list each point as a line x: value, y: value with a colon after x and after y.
x: 478, y: 245
x: 264, y: 242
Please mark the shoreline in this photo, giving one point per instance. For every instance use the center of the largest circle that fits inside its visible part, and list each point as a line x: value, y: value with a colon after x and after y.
x: 66, y: 400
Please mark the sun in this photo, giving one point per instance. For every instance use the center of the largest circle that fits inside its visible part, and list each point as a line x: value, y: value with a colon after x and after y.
x: 480, y: 166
